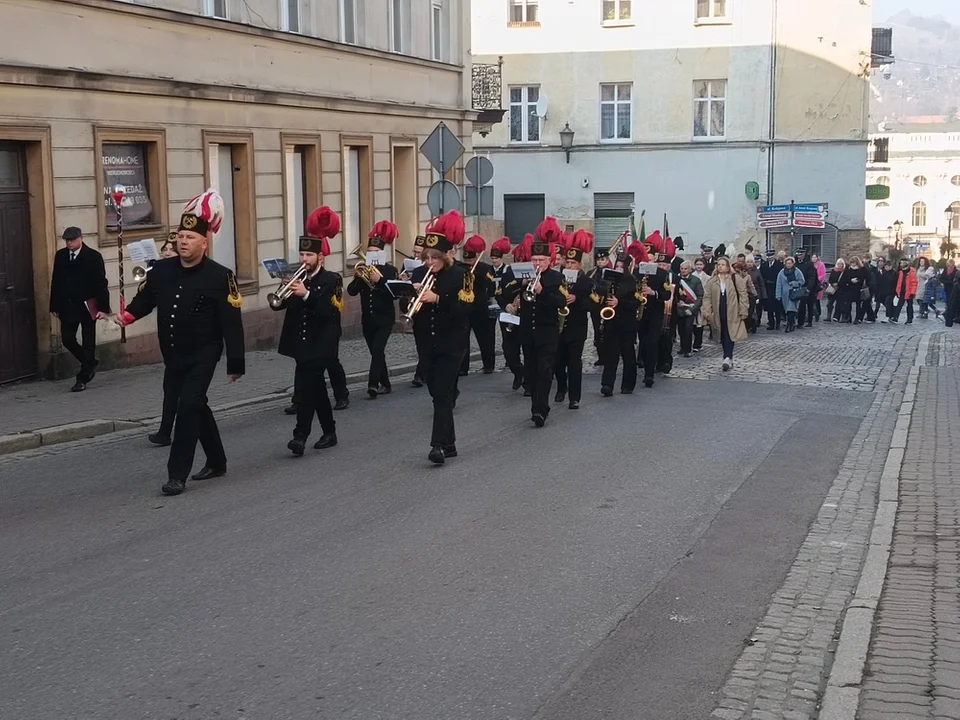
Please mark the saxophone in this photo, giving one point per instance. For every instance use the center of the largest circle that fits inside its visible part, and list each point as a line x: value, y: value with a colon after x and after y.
x: 563, y: 312
x: 642, y: 298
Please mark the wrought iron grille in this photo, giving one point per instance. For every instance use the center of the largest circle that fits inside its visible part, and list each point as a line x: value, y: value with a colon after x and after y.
x: 487, y: 86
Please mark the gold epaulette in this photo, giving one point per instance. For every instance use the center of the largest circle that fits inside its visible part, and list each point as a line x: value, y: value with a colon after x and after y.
x: 668, y: 287
x: 498, y: 293
x: 233, y: 296
x: 466, y: 293
x: 337, y: 299
x: 490, y: 277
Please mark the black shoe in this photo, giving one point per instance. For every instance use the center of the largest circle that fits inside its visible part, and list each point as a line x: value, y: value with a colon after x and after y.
x: 517, y: 382
x: 606, y: 391
x: 463, y: 373
x: 598, y: 363
x: 909, y: 322
x: 209, y: 472
x: 173, y: 487
x: 159, y: 439
x: 296, y: 446
x: 626, y: 391
x: 450, y: 451
x: 665, y: 370
x: 559, y: 397
x: 290, y: 410
x: 372, y: 393
x: 417, y: 382
x: 384, y: 390
x: 809, y: 324
x: 574, y: 405
x: 488, y: 371
x: 686, y: 355
x: 527, y: 393
x: 91, y: 375
x: 342, y: 405
x: 648, y: 382
x: 327, y: 440
x: 436, y: 455
x: 78, y: 387
x: 539, y: 420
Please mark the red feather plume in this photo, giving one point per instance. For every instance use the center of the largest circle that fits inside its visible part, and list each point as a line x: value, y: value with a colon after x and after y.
x: 638, y: 252
x: 386, y: 231
x: 583, y: 241
x: 502, y: 246
x: 549, y: 231
x: 476, y: 245
x: 323, y: 223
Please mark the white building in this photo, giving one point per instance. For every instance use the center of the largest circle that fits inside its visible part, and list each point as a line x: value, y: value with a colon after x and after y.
x: 919, y: 164
x: 672, y: 110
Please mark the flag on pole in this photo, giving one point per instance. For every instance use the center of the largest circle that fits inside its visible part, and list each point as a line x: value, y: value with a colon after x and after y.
x: 633, y: 226
x: 666, y: 227
x: 643, y: 228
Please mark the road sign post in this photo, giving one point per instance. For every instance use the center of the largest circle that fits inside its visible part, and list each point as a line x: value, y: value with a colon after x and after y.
x: 442, y: 149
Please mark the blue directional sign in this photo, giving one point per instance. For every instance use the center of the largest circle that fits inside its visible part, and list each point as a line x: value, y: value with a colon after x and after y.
x: 821, y: 207
x: 775, y: 208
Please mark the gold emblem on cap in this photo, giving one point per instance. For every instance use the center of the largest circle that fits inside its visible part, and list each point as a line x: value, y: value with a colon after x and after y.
x: 189, y: 222
x: 432, y: 240
x: 305, y: 244
x: 420, y: 240
x: 571, y: 253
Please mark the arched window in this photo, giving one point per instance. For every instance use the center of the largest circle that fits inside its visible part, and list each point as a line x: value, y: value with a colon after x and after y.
x: 920, y: 181
x: 919, y: 214
x: 883, y: 180
x: 955, y: 180
x: 882, y: 205
x: 955, y: 215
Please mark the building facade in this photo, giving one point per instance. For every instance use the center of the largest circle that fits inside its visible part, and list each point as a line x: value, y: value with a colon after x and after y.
x: 282, y: 105
x: 913, y: 187
x: 700, y: 109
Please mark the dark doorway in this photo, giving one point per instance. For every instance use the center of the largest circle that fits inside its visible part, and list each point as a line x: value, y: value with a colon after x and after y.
x: 521, y: 215
x: 18, y: 337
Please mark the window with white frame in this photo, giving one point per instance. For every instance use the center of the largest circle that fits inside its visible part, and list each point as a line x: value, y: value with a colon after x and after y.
x: 438, y: 31
x: 524, y: 123
x: 524, y: 11
x: 709, y: 108
x: 348, y: 21
x: 290, y: 15
x: 215, y: 8
x: 614, y: 10
x: 711, y: 10
x: 616, y: 111
x: 919, y: 215
x: 400, y: 26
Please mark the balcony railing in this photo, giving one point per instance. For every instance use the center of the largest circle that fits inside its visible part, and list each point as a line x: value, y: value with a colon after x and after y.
x: 882, y: 48
x: 487, y: 84
x: 879, y: 151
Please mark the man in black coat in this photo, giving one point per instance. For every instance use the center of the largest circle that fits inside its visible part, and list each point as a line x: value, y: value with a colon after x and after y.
x: 770, y: 271
x: 569, y: 363
x: 311, y: 331
x: 198, y: 311
x: 79, y: 297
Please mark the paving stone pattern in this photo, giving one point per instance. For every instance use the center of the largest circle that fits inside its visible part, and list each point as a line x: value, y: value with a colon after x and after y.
x: 913, y: 665
x: 782, y: 670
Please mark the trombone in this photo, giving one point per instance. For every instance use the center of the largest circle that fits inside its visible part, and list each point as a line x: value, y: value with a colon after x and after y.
x: 276, y: 300
x: 417, y: 303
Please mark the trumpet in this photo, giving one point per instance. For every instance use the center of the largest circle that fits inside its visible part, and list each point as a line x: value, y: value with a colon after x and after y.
x: 277, y: 299
x: 528, y: 294
x: 417, y: 303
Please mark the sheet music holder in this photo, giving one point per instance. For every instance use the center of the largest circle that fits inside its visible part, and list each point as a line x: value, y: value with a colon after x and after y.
x: 523, y: 271
x: 506, y: 317
x: 571, y: 275
x: 411, y: 264
x: 275, y: 267
x: 611, y: 276
x: 647, y: 268
x: 143, y: 251
x: 401, y: 289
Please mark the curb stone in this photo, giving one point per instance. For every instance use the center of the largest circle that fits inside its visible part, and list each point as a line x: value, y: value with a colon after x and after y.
x: 31, y: 440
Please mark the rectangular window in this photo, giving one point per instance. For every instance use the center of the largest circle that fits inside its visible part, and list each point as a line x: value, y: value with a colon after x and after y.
x: 709, y: 109
x: 357, y: 185
x: 524, y: 123
x: 524, y: 11
x: 135, y: 159
x: 711, y: 10
x: 301, y: 187
x: 348, y: 21
x: 215, y: 8
x: 616, y: 10
x: 290, y: 15
x: 438, y: 31
x: 611, y: 216
x: 229, y: 169
x: 400, y: 26
x: 616, y: 112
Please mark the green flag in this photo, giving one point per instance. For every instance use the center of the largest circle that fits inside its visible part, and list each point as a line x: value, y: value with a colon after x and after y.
x: 643, y: 228
x: 633, y: 227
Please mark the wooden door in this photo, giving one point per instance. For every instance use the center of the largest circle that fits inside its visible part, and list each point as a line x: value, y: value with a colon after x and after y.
x: 18, y: 357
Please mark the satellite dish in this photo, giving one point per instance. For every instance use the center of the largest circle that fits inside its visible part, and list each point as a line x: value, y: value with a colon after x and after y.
x: 542, y: 105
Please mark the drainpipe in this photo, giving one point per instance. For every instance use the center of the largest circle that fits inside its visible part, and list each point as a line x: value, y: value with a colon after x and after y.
x: 772, y: 130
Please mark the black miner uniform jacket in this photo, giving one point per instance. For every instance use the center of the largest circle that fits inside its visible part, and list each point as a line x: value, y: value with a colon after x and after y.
x: 509, y: 289
x: 625, y: 291
x: 198, y: 310
x: 654, y: 309
x: 539, y: 320
x: 311, y: 327
x: 575, y: 326
x: 376, y: 303
x: 484, y: 287
x: 445, y: 325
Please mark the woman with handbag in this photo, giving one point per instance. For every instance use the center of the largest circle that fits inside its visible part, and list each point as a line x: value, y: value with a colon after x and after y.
x: 833, y: 281
x: 859, y: 290
x: 791, y: 289
x: 726, y: 307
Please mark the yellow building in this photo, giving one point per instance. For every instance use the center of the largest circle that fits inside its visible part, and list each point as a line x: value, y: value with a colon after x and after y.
x: 283, y: 105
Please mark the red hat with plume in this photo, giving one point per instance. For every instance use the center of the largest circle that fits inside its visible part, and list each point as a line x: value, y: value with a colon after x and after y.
x: 638, y: 251
x: 474, y: 246
x: 580, y: 243
x: 547, y: 236
x: 446, y: 232
x: 322, y: 225
x: 523, y: 251
x: 654, y: 243
x: 667, y: 251
x: 500, y: 248
x: 383, y: 233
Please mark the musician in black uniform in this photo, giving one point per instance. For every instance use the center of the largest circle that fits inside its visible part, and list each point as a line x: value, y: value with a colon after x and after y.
x: 420, y: 371
x: 569, y: 363
x: 539, y: 319
x: 618, y: 335
x: 601, y: 260
x: 376, y: 304
x: 311, y: 331
x: 444, y: 320
x: 508, y: 298
x: 198, y: 312
x: 484, y: 286
x: 666, y: 261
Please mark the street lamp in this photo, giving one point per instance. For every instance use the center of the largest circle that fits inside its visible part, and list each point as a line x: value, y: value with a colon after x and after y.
x: 566, y: 140
x: 948, y: 214
x: 897, y: 228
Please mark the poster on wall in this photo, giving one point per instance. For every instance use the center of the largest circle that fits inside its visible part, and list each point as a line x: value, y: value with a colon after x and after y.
x: 126, y: 165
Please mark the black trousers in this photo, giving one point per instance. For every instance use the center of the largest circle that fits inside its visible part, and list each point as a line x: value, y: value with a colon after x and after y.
x: 697, y: 337
x: 568, y: 368
x: 665, y: 349
x: 377, y: 337
x: 86, y: 354
x: 189, y: 384
x: 900, y: 303
x: 423, y: 350
x: 510, y: 341
x: 805, y: 310
x: 311, y: 390
x: 649, y: 351
x: 618, y: 345
x: 685, y: 328
x: 597, y: 322
x: 485, y: 331
x: 442, y: 370
x: 774, y: 308
x: 169, y: 403
x: 338, y: 381
x: 538, y: 363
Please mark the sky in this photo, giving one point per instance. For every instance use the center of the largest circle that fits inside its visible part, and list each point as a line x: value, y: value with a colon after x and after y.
x: 949, y: 9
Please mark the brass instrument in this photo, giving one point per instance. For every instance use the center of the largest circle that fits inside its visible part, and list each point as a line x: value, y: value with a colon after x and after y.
x: 275, y: 300
x: 563, y: 312
x: 417, y: 303
x: 528, y: 294
x: 642, y: 297
x: 140, y: 273
x: 361, y: 269
x: 608, y: 313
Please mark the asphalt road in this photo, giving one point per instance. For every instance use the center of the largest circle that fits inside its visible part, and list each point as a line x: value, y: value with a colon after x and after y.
x: 609, y: 565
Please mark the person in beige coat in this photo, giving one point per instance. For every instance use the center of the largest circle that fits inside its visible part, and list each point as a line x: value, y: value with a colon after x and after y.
x: 725, y: 308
